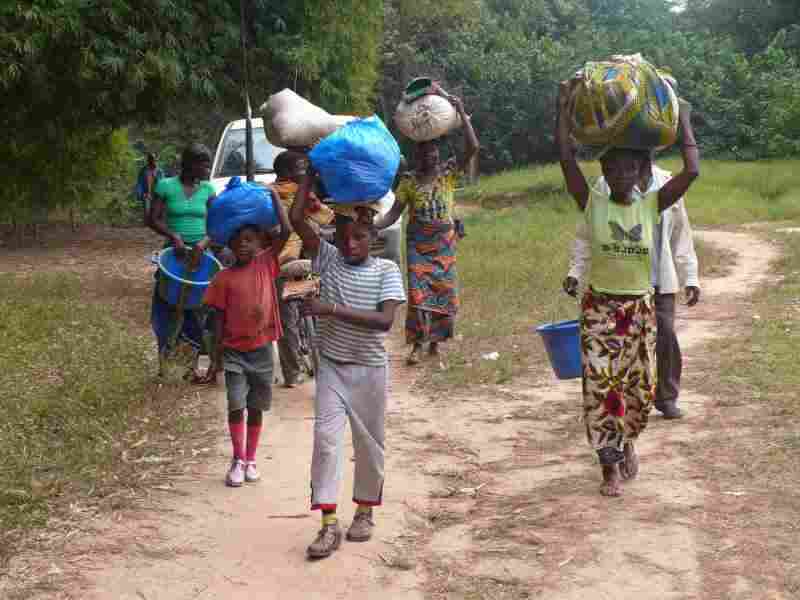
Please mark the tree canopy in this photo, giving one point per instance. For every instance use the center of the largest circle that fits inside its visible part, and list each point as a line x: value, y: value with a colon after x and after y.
x: 73, y: 73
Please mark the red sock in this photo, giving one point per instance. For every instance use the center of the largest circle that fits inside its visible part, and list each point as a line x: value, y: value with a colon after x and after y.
x: 237, y: 439
x: 253, y: 433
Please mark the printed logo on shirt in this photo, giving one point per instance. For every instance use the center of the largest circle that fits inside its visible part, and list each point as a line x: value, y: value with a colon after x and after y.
x: 619, y: 234
x: 622, y: 250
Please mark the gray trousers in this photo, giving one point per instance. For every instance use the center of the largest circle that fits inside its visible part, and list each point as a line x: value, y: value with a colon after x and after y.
x: 393, y: 250
x: 289, y: 344
x: 668, y: 352
x: 356, y: 393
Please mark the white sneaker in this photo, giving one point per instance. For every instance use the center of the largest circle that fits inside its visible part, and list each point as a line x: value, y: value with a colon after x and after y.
x: 235, y: 477
x: 251, y: 474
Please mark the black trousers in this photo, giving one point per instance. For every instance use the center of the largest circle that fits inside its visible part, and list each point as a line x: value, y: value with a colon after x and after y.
x: 668, y: 351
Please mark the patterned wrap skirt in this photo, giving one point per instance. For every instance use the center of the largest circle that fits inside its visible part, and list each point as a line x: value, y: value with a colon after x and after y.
x: 432, y: 282
x: 618, y: 344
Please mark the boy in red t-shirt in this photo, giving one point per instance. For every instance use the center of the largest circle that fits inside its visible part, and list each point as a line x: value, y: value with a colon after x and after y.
x: 247, y: 322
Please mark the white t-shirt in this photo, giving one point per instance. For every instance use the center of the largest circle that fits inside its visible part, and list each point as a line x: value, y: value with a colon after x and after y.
x: 386, y: 205
x: 363, y: 287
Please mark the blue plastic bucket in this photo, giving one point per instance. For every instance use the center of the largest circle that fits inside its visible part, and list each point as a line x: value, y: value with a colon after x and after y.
x: 175, y: 276
x: 562, y: 341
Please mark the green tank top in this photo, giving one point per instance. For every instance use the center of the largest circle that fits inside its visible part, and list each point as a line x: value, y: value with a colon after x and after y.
x: 185, y: 216
x: 622, y: 240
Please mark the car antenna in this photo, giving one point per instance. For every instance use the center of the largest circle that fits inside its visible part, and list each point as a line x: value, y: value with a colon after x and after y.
x: 248, y: 139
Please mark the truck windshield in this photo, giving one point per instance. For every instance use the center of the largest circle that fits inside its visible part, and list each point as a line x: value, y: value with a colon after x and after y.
x: 233, y: 153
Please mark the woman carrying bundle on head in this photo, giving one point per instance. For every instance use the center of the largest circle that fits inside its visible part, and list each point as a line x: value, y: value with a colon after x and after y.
x: 428, y: 193
x: 618, y: 320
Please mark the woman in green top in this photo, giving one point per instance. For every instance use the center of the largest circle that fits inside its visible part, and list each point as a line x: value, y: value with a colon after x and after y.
x: 618, y: 322
x: 178, y: 212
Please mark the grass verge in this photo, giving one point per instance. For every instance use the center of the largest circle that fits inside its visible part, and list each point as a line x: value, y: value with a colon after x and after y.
x: 520, y: 229
x: 84, y: 423
x: 754, y: 412
x: 727, y: 192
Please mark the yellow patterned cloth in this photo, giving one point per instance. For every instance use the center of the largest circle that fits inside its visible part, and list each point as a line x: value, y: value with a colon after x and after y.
x: 624, y: 102
x: 351, y: 211
x: 432, y: 202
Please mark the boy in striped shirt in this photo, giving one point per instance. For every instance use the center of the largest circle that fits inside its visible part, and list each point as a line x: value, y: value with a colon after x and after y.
x: 359, y: 296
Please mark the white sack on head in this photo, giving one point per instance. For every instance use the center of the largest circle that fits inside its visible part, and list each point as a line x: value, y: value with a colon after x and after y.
x: 427, y: 118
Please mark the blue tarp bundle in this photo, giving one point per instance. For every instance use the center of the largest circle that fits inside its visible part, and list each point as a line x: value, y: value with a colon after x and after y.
x: 242, y: 203
x: 358, y: 162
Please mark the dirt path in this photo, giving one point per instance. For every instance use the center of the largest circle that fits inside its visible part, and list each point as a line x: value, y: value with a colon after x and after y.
x: 517, y: 513
x: 213, y: 542
x: 500, y: 503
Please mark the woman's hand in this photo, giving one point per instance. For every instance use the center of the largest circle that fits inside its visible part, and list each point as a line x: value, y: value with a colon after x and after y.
x: 570, y: 285
x: 564, y: 97
x: 210, y: 376
x: 459, y: 227
x: 203, y: 244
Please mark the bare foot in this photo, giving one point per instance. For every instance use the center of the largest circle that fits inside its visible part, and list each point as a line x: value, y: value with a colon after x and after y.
x: 611, y: 482
x: 433, y: 349
x: 413, y: 357
x: 629, y: 469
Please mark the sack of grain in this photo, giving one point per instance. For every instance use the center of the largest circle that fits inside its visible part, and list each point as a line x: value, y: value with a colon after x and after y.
x: 624, y: 102
x: 426, y: 118
x: 291, y: 120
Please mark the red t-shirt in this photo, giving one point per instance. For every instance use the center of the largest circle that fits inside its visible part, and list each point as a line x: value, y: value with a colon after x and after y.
x: 249, y: 299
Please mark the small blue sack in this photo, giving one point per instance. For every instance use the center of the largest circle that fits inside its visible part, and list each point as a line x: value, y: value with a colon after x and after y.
x: 357, y: 162
x: 242, y: 203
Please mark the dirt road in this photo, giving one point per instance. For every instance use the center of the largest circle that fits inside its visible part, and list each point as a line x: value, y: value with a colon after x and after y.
x: 490, y: 494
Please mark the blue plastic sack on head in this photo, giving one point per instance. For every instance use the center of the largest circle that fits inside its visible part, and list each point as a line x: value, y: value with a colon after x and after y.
x: 357, y: 162
x: 242, y: 203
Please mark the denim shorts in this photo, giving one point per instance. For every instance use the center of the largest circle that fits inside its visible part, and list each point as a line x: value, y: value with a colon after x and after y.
x: 248, y: 378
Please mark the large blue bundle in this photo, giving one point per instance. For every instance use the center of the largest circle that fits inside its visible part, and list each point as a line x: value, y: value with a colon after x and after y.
x: 242, y: 203
x: 358, y: 162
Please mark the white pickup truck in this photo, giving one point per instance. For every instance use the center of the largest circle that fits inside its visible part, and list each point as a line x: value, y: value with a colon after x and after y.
x: 230, y: 158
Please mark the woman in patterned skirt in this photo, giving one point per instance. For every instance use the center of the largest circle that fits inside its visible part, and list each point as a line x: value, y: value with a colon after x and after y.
x: 618, y: 322
x: 431, y: 235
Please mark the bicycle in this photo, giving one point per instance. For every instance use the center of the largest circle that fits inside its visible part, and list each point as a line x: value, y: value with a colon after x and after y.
x: 302, y: 283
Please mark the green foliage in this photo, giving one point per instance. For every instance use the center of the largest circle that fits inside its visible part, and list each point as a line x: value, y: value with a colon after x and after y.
x: 753, y: 23
x: 72, y: 73
x: 332, y: 51
x: 520, y: 226
x: 508, y: 58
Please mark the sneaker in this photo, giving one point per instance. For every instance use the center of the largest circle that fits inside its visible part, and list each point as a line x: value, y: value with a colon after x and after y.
x: 235, y: 477
x: 669, y: 410
x: 251, y: 474
x: 361, y: 527
x: 328, y: 541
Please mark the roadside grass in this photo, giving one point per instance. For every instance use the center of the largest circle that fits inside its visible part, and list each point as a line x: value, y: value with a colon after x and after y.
x: 754, y: 411
x: 727, y: 192
x: 510, y: 267
x: 520, y: 227
x: 85, y: 427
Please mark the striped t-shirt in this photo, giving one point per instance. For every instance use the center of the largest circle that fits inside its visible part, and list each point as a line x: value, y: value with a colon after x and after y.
x: 363, y: 287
